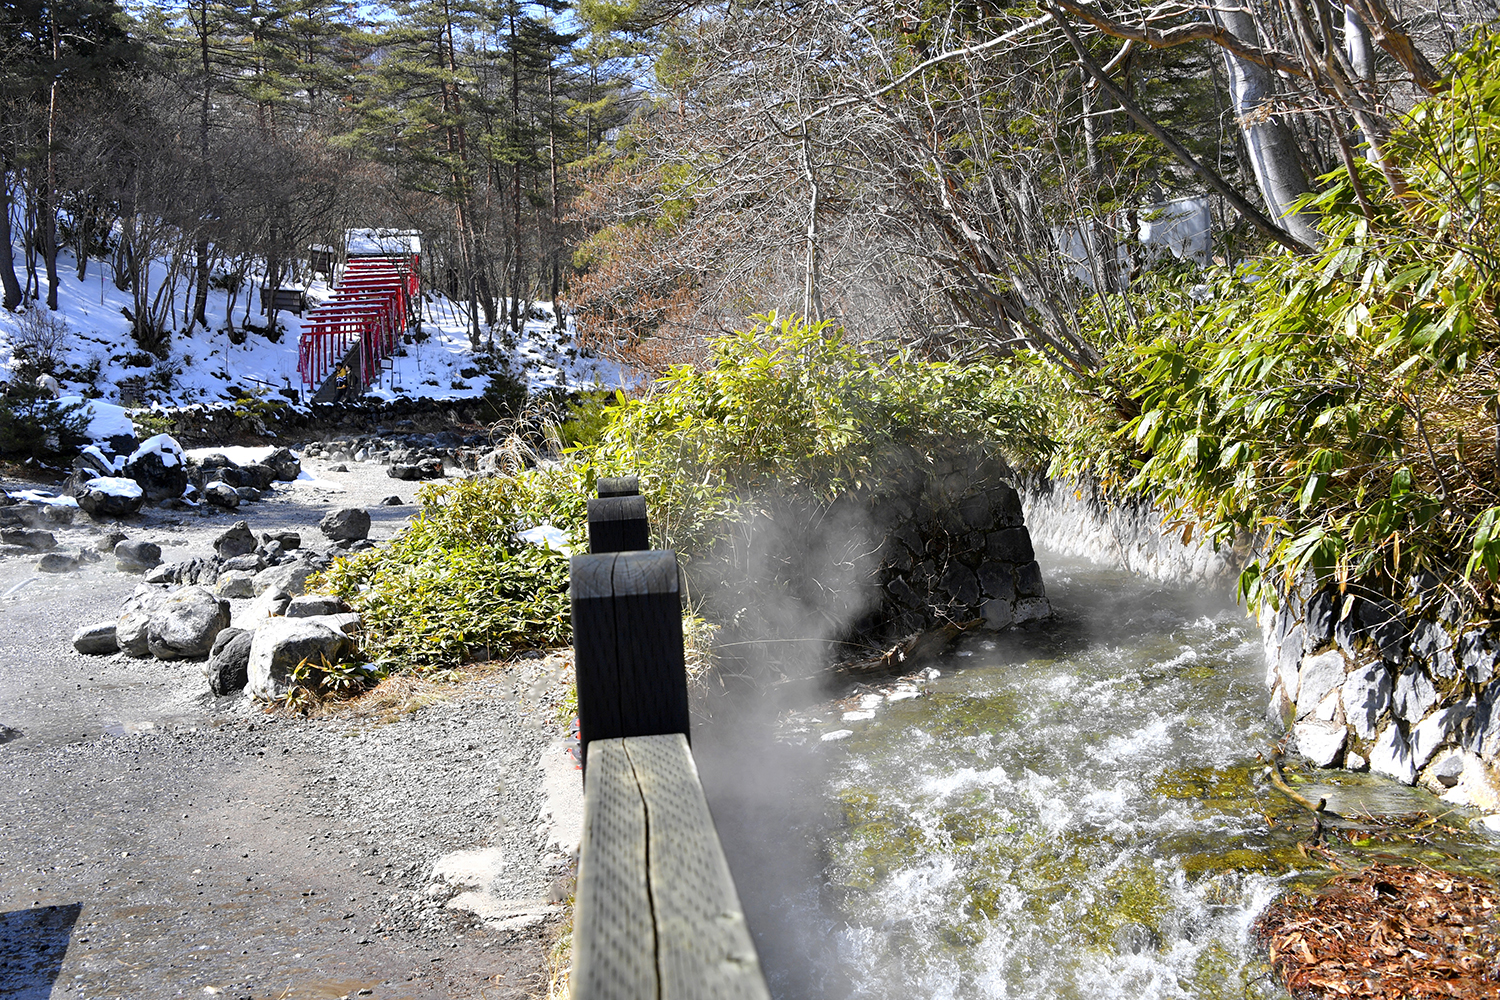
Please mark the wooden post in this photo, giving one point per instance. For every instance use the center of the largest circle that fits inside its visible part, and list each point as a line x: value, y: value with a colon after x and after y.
x: 627, y: 646
x: 618, y: 524
x: 657, y: 916
x: 620, y: 486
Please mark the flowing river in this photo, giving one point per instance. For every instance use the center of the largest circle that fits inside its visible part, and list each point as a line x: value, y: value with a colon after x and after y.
x: 1077, y: 810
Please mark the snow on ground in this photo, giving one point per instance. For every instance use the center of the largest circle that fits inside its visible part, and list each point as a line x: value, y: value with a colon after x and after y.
x: 204, y: 364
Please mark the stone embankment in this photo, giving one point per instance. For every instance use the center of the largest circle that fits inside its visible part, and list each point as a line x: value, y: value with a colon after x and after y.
x: 1403, y: 685
x: 957, y: 548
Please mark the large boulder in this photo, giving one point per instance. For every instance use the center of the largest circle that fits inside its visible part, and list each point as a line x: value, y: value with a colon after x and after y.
x: 111, y: 496
x: 281, y: 644
x: 290, y: 577
x: 30, y: 538
x: 237, y: 541
x: 134, y: 555
x: 346, y: 524
x: 158, y: 466
x: 135, y: 621
x: 185, y: 624
x: 229, y: 661
x: 286, y: 465
x: 97, y: 639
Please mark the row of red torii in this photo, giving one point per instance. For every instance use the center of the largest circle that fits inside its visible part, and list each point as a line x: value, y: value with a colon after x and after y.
x: 362, y: 323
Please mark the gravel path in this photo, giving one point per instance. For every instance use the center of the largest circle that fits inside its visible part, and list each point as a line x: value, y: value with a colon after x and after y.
x: 155, y: 841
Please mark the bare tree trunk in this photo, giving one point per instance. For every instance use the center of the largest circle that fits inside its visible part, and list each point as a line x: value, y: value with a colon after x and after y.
x: 48, y: 209
x: 1270, y: 145
x: 7, y: 259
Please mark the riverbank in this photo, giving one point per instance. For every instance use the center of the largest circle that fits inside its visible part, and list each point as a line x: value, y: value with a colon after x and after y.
x: 158, y: 840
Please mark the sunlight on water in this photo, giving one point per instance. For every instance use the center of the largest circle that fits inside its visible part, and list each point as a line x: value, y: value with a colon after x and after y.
x: 1068, y: 815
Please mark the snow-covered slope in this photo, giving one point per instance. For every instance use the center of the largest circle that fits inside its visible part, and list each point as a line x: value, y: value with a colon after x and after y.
x: 91, y: 338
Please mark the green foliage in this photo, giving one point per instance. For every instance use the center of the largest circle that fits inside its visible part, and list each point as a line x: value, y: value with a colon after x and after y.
x: 793, y: 407
x: 458, y: 581
x: 34, y: 425
x: 1339, y: 406
x: 786, y: 408
x: 588, y: 419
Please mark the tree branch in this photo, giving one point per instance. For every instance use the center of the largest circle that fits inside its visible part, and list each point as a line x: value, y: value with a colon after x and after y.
x: 1210, y: 177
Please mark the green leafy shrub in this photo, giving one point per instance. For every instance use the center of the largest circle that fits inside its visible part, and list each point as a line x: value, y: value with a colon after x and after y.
x: 1340, y: 406
x: 34, y: 425
x: 784, y: 412
x: 458, y: 581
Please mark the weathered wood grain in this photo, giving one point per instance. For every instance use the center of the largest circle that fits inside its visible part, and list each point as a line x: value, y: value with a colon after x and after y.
x: 618, y: 524
x: 614, y: 936
x: 627, y: 646
x: 619, y: 486
x: 703, y: 945
x: 649, y: 847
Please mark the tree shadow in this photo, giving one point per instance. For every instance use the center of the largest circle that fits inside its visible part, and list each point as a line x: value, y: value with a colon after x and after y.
x: 32, y: 945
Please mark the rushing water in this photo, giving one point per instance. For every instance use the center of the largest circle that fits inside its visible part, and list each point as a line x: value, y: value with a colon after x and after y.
x: 1076, y: 810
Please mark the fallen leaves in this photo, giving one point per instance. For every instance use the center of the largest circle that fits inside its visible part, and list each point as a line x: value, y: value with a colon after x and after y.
x: 1387, y: 932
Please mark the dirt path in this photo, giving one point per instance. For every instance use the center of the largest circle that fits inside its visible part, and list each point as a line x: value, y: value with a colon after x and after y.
x: 156, y: 842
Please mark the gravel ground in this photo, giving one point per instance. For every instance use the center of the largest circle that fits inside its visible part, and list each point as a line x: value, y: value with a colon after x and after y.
x: 156, y: 841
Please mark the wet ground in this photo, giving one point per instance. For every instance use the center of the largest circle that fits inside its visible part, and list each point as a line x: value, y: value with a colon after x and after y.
x: 155, y: 842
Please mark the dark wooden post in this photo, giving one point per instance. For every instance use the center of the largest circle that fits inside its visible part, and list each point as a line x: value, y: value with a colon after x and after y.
x: 618, y: 524
x: 627, y: 646
x: 620, y: 486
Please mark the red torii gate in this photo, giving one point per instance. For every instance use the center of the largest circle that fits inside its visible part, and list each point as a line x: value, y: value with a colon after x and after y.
x: 377, y: 296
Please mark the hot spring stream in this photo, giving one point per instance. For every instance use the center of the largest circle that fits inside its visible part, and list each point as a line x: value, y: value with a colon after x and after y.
x: 1073, y: 811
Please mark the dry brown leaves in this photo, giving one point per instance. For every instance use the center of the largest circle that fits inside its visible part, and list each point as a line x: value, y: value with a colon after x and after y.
x: 1387, y: 932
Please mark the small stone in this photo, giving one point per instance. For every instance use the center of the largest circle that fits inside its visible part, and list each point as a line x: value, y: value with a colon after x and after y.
x: 229, y: 661
x: 254, y: 562
x: 109, y: 540
x: 136, y: 556
x: 998, y: 613
x: 288, y: 540
x: 1434, y: 730
x: 1354, y: 762
x: 1318, y: 676
x: 392, y: 501
x: 313, y: 605
x: 1415, y: 694
x: 1448, y: 768
x: 235, y: 583
x: 1391, y: 756
x: 221, y: 494
x: 97, y: 639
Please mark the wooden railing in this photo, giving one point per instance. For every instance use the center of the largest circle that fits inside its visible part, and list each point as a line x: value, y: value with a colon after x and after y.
x: 656, y: 914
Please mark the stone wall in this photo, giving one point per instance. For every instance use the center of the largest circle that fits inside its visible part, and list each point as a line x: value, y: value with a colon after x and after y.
x: 1075, y: 519
x: 1402, y: 688
x: 957, y: 548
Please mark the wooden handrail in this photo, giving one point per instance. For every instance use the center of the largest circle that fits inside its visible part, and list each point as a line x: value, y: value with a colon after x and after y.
x: 656, y: 916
